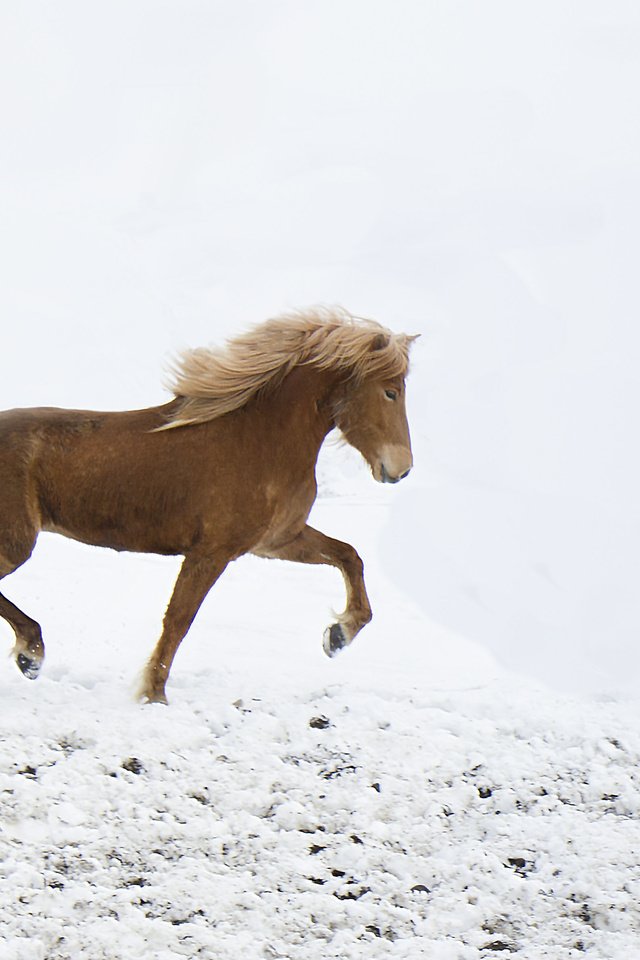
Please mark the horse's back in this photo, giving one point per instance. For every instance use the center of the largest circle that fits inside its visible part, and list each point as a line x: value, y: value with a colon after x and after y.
x: 34, y: 437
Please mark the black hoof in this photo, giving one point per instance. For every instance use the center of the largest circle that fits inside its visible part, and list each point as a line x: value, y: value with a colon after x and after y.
x: 334, y: 639
x: 30, y: 668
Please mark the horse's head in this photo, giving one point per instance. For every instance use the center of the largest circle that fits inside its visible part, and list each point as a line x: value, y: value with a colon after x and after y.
x: 372, y: 417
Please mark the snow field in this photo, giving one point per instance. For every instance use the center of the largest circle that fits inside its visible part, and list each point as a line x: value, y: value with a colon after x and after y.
x: 336, y: 823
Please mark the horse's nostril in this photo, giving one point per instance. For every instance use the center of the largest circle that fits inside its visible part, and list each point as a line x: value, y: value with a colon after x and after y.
x: 405, y: 474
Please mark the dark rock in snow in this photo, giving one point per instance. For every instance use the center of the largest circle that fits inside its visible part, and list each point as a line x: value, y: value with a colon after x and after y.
x: 319, y: 723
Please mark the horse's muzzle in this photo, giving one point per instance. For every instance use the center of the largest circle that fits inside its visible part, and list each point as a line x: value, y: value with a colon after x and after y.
x: 387, y: 478
x: 393, y: 463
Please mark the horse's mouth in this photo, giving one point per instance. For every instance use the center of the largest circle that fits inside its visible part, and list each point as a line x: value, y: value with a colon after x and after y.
x: 386, y: 477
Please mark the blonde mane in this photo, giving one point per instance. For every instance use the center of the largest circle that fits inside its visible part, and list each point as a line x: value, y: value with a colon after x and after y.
x: 211, y: 382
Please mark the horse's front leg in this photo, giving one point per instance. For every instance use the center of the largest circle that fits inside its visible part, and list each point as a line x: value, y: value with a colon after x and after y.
x: 196, y: 577
x: 311, y: 546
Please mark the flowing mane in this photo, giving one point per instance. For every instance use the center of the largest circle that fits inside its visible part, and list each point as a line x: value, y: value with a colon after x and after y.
x: 210, y: 382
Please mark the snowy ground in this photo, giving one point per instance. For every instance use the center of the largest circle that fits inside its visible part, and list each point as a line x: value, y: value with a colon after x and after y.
x: 408, y: 799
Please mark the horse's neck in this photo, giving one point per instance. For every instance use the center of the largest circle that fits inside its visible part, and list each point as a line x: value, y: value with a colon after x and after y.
x: 301, y: 408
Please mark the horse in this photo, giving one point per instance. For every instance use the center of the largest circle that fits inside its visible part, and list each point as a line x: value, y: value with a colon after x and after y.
x: 225, y: 468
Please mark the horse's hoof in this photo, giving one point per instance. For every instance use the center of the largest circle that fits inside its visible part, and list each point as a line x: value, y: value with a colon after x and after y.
x: 334, y: 639
x: 30, y: 668
x: 153, y: 696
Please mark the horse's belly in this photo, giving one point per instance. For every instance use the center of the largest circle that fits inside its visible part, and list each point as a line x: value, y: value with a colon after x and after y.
x: 138, y: 541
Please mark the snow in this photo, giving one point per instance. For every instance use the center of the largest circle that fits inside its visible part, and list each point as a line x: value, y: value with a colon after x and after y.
x: 462, y: 781
x: 409, y: 827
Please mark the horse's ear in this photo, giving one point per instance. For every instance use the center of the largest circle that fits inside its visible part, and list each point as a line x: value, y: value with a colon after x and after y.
x: 379, y: 342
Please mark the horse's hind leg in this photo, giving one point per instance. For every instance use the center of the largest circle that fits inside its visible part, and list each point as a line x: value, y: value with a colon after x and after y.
x: 311, y: 546
x: 29, y: 648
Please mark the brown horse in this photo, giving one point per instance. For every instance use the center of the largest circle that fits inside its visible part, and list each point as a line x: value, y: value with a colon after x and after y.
x: 226, y: 468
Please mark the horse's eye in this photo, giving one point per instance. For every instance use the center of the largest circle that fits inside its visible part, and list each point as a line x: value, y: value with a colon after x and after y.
x: 391, y: 394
